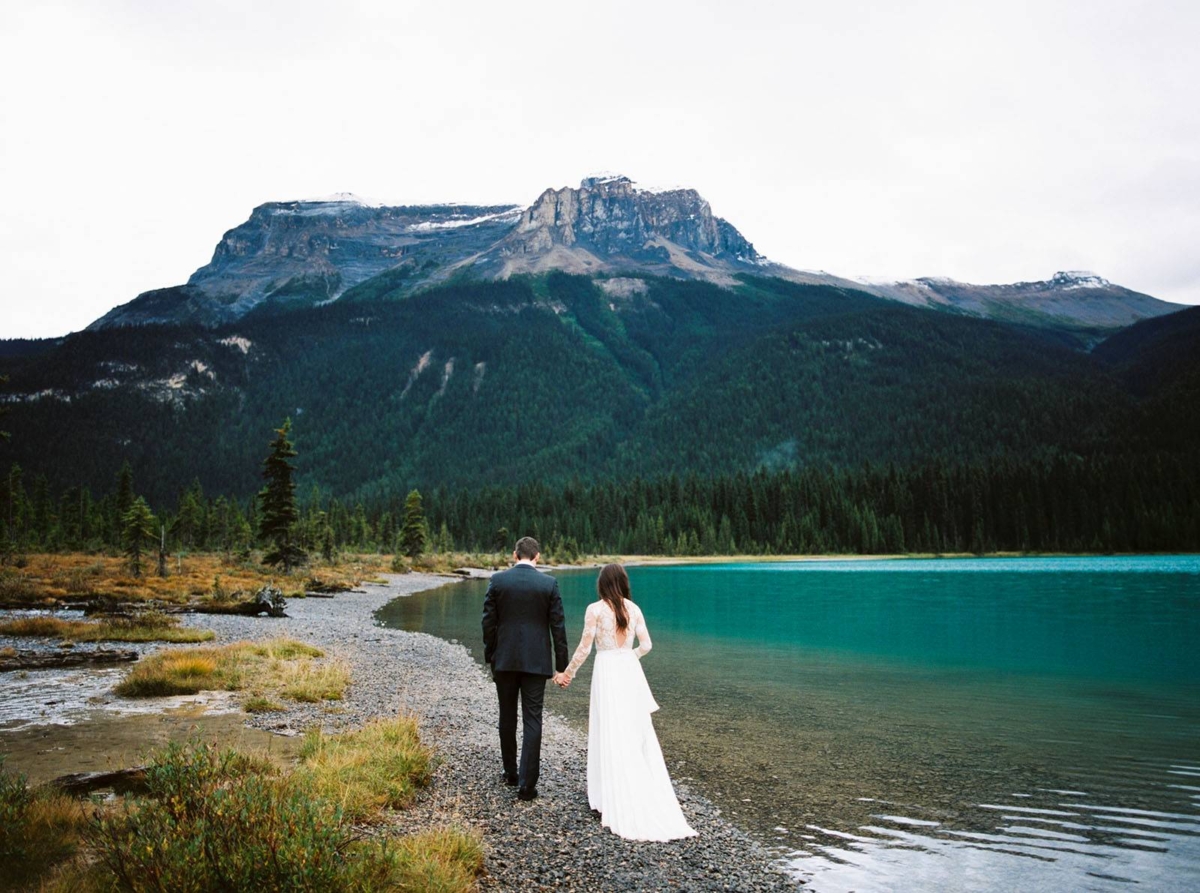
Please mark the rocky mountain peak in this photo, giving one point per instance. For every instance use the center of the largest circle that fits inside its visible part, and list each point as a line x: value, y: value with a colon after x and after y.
x: 1079, y: 279
x: 611, y: 217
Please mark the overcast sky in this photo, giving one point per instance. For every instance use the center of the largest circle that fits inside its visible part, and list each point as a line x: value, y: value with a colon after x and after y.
x: 985, y: 141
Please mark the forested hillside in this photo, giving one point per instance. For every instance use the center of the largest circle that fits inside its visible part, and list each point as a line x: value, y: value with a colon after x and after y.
x: 568, y: 382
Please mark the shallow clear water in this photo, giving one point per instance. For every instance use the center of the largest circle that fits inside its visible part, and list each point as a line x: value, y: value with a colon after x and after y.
x: 975, y: 724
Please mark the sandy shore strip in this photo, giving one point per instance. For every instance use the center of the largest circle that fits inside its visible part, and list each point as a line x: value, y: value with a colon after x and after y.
x: 555, y: 842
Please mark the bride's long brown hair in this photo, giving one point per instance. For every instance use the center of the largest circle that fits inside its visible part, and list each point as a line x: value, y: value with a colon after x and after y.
x: 613, y: 588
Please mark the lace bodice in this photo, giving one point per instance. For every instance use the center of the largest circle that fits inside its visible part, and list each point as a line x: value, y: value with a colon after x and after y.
x: 600, y: 626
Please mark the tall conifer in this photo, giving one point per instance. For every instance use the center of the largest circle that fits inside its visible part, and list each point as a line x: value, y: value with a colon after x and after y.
x: 278, y: 502
x: 137, y: 533
x: 414, y: 533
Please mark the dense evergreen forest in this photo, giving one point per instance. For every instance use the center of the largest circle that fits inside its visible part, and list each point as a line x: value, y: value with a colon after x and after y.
x: 673, y: 417
x: 1100, y: 505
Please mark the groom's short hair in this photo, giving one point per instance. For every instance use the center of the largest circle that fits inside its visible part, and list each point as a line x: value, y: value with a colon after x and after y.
x: 528, y: 548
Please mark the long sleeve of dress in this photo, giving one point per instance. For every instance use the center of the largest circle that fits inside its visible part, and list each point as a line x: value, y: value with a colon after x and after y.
x: 643, y: 635
x: 585, y: 644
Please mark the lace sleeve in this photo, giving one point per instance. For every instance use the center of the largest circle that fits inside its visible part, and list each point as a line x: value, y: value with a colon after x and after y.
x: 585, y: 644
x: 643, y: 634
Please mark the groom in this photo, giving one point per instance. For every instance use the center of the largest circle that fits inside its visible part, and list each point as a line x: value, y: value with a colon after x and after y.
x: 521, y: 610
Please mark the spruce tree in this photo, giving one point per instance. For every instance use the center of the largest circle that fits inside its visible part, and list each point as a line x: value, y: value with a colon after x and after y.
x: 124, y: 501
x: 137, y: 533
x: 278, y: 503
x: 414, y: 534
x: 445, y: 542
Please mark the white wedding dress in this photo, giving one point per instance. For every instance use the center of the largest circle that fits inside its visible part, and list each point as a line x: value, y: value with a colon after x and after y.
x: 627, y: 777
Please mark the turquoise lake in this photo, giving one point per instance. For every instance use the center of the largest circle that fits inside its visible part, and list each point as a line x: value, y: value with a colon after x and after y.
x: 943, y: 724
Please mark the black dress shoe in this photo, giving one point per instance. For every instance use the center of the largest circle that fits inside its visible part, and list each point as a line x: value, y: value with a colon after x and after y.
x: 527, y: 794
x: 510, y: 779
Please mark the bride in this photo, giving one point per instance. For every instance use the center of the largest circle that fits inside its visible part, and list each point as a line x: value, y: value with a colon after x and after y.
x: 627, y: 778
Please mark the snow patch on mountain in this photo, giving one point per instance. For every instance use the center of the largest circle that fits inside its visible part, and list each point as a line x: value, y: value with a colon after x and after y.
x: 512, y: 214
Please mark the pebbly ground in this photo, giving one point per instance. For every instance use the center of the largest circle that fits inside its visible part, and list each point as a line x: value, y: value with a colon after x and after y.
x: 554, y: 842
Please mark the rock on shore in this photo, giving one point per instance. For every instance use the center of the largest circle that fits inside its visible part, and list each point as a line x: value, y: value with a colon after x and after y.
x: 555, y: 842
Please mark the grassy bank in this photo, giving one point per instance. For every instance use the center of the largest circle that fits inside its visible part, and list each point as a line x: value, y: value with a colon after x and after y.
x: 59, y: 580
x: 144, y: 627
x: 219, y: 819
x: 263, y: 670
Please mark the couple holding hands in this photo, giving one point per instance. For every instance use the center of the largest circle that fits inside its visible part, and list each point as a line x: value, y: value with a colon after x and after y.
x: 627, y: 779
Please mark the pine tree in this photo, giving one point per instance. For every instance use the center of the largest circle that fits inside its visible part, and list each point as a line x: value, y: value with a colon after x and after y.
x: 123, y: 502
x: 444, y: 543
x: 137, y: 533
x: 414, y: 533
x: 189, y: 523
x: 278, y: 502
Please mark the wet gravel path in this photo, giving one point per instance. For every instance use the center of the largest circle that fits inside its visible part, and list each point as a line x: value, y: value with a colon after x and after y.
x: 555, y: 842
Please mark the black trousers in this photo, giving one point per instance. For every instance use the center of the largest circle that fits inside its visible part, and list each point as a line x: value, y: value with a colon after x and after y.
x: 532, y: 691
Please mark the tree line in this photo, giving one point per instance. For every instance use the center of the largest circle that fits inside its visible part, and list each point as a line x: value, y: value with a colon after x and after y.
x: 1096, y: 504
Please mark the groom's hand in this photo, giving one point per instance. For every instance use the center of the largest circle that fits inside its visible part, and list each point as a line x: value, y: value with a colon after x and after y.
x: 561, y: 680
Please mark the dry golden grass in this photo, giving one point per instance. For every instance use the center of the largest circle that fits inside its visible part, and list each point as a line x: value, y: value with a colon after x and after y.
x: 38, y: 829
x: 50, y: 578
x: 277, y: 667
x: 45, y: 626
x: 150, y: 627
x: 449, y: 562
x: 313, y: 683
x: 380, y: 765
x: 438, y: 860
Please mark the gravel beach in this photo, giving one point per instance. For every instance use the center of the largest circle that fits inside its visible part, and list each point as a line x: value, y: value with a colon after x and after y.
x: 554, y: 842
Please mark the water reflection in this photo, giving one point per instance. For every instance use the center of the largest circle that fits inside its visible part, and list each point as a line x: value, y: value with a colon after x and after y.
x: 1063, y: 845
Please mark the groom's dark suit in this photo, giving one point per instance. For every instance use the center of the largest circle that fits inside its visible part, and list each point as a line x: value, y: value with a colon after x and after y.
x: 521, y: 610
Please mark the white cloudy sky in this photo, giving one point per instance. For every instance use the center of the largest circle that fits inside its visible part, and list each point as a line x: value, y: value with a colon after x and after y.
x: 987, y: 141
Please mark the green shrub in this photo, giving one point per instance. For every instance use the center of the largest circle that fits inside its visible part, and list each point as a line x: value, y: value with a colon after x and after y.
x: 215, y: 820
x: 38, y: 829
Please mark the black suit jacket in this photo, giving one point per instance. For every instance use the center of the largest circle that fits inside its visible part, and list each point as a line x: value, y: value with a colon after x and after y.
x: 521, y: 610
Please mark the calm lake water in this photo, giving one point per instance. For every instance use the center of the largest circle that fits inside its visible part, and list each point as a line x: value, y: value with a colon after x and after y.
x: 957, y: 724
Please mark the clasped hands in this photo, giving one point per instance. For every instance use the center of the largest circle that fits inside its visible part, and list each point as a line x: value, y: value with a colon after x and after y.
x: 562, y: 680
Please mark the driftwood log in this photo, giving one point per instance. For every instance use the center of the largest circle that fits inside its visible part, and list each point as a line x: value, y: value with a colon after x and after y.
x: 268, y: 600
x: 122, y: 781
x: 43, y: 660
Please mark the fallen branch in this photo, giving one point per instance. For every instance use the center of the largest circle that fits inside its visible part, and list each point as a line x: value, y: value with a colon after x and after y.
x: 122, y: 781
x: 42, y: 660
x: 267, y: 600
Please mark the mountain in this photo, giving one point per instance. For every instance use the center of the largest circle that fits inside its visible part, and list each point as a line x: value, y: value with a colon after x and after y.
x: 603, y: 333
x: 298, y: 254
x: 1070, y: 300
x: 556, y: 377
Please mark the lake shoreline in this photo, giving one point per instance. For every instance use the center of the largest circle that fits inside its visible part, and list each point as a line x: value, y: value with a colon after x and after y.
x: 554, y: 841
x: 596, y: 561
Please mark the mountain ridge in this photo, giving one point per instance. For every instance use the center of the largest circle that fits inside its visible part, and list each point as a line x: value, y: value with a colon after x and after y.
x: 295, y: 254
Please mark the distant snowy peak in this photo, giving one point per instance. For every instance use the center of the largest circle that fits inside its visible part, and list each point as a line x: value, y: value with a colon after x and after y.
x: 1079, y: 279
x: 1071, y: 297
x: 1064, y: 279
x: 341, y: 198
x: 606, y: 178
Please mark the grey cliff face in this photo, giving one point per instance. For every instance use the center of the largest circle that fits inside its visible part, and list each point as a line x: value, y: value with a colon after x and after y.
x: 611, y: 217
x: 310, y: 252
x: 304, y: 253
